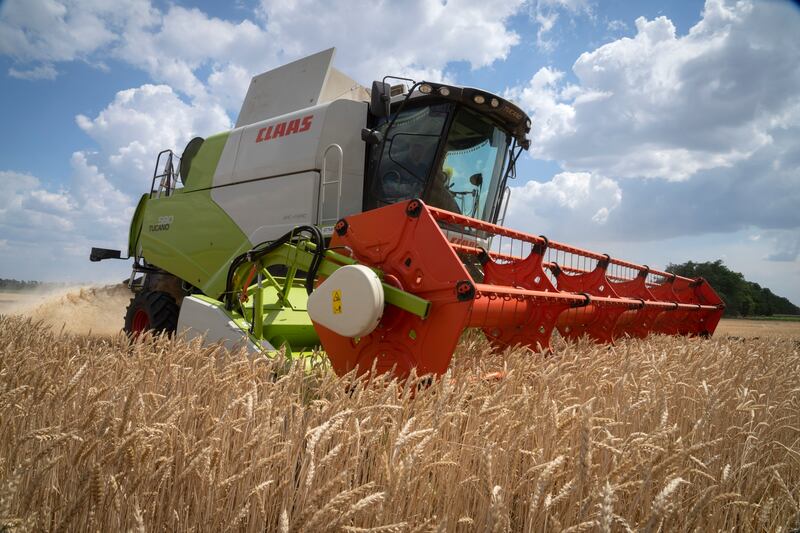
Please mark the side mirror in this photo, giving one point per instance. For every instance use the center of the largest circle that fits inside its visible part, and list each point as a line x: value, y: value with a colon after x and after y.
x: 99, y: 254
x: 371, y: 136
x: 380, y: 98
x: 476, y: 179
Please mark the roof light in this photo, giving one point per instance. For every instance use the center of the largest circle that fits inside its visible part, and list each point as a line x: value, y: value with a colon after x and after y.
x: 495, y: 102
x: 479, y: 99
x: 528, y: 123
x: 425, y: 88
x: 444, y: 91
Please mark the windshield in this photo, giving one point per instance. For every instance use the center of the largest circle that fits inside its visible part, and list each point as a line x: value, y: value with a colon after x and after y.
x: 408, y: 155
x: 462, y: 175
x: 471, y: 168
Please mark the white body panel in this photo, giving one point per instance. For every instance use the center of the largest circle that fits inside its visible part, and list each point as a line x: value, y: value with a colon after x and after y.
x: 298, y: 85
x: 339, y: 85
x: 293, y: 86
x: 202, y: 319
x: 268, y: 179
x: 266, y: 209
x: 248, y: 156
x: 350, y: 302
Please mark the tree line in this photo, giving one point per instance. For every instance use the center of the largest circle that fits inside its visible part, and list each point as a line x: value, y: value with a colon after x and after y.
x: 741, y: 297
x: 21, y: 285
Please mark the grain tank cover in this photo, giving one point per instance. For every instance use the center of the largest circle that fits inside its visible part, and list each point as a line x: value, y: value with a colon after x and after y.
x: 304, y: 83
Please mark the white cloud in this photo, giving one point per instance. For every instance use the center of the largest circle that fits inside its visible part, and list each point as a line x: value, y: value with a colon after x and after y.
x: 141, y: 122
x: 552, y: 118
x: 52, y: 231
x: 182, y: 41
x: 64, y: 30
x: 25, y: 206
x: 39, y: 72
x: 669, y: 106
x: 13, y: 183
x: 96, y: 205
x: 99, y: 199
x: 211, y: 60
x: 56, y: 203
x: 378, y: 38
x: 228, y: 85
x: 546, y: 14
x: 714, y: 115
x: 616, y: 26
x: 569, y: 201
x: 90, y: 205
x: 547, y: 21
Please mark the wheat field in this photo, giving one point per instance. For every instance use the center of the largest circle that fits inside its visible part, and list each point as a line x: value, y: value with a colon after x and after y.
x: 665, y: 434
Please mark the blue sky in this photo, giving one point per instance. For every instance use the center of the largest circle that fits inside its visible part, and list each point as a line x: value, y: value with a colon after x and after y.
x: 663, y: 131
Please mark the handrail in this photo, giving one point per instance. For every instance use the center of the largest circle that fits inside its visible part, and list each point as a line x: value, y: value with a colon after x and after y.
x: 168, y: 178
x: 325, y: 182
x: 497, y: 229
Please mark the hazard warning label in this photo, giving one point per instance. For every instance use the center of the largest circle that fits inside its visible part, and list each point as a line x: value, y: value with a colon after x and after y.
x: 336, y: 299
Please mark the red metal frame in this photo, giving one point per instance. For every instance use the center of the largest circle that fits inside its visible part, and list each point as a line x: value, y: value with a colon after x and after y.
x: 404, y: 241
x: 519, y: 301
x: 533, y: 321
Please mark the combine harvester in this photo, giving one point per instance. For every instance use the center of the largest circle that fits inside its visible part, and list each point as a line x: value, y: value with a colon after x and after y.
x: 367, y: 223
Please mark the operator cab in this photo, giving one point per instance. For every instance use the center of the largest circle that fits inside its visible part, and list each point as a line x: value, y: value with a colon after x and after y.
x: 452, y: 147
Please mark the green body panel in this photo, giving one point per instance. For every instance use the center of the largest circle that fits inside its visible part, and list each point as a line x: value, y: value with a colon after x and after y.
x: 283, y: 321
x: 136, y: 225
x: 191, y: 237
x: 204, y: 164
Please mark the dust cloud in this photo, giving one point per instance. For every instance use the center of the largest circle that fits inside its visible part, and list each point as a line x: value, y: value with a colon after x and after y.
x: 80, y: 310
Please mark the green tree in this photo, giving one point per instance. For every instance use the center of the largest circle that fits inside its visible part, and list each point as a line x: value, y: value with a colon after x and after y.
x: 741, y: 297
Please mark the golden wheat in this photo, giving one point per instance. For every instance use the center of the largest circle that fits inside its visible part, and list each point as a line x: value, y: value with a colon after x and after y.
x: 667, y: 434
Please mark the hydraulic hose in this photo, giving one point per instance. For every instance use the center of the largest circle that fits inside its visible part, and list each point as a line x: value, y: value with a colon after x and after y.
x: 266, y: 247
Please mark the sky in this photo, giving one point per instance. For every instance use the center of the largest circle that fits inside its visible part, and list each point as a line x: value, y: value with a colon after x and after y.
x: 662, y: 131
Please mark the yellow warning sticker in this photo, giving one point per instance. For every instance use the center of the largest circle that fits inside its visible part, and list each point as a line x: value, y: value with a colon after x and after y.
x: 336, y: 299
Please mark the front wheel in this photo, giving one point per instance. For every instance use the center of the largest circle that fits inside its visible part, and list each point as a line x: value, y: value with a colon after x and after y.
x: 154, y: 311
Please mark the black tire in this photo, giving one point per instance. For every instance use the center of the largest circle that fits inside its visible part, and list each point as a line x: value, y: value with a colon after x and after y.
x: 154, y: 311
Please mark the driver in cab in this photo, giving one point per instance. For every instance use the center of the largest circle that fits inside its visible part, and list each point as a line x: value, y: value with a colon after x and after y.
x: 419, y: 160
x: 407, y: 179
x: 440, y: 193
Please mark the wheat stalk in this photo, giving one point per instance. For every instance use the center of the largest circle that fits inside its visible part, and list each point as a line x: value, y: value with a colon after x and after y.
x: 670, y: 433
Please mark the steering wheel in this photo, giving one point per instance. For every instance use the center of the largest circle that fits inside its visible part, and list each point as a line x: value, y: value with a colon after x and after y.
x: 392, y: 185
x: 390, y: 174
